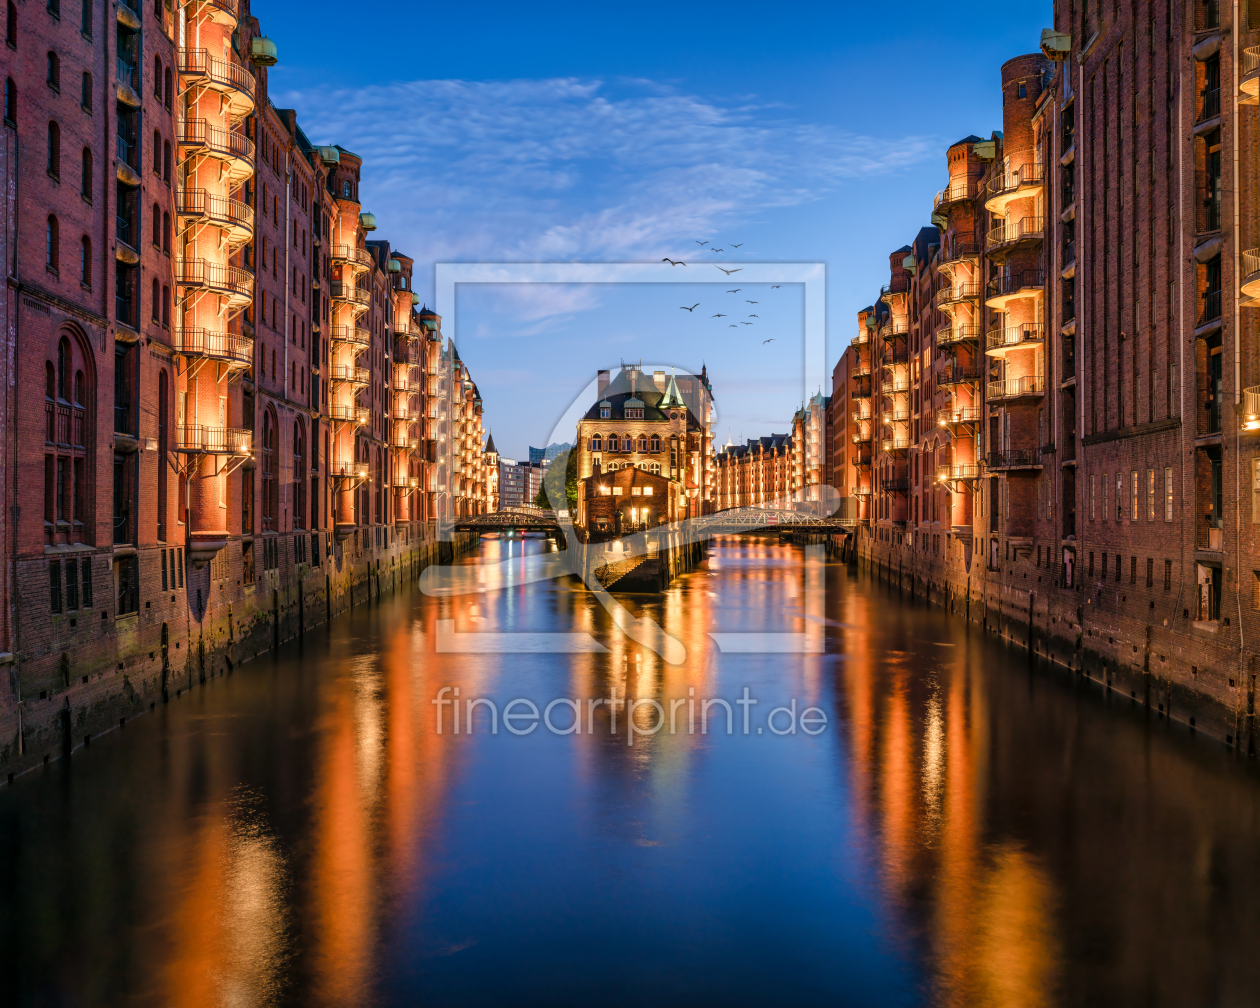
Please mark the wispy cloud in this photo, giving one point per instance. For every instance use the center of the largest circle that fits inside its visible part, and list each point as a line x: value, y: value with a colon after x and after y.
x: 579, y: 169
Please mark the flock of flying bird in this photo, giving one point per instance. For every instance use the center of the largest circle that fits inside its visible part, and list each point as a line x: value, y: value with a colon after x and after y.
x: 679, y: 262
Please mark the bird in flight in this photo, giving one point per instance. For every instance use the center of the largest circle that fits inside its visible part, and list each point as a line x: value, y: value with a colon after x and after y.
x: 765, y: 341
x: 672, y: 263
x: 737, y: 246
x: 733, y: 326
x: 729, y: 272
x: 699, y: 242
x: 752, y: 302
x: 775, y: 286
x: 735, y: 291
x: 692, y: 308
x: 754, y: 316
x: 718, y: 315
x: 745, y: 323
x: 717, y: 250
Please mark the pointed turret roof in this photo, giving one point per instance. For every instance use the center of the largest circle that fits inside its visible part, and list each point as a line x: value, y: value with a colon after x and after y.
x: 672, y: 396
x: 490, y: 448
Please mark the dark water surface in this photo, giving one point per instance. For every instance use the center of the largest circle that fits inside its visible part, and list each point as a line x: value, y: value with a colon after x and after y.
x: 968, y: 830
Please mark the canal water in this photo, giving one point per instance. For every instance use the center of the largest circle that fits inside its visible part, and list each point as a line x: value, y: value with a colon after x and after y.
x: 964, y: 828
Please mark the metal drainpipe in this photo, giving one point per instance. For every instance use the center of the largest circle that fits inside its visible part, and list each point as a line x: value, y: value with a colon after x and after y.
x: 1181, y: 314
x: 11, y: 417
x: 1242, y: 640
x: 288, y: 181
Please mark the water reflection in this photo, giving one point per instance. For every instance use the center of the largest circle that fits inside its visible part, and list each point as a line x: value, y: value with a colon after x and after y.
x: 969, y: 831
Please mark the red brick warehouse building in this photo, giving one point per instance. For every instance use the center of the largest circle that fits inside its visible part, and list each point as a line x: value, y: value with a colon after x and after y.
x: 224, y: 413
x: 1075, y: 343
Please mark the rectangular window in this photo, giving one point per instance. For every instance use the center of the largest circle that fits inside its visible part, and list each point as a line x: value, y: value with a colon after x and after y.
x: 1091, y: 505
x: 54, y: 585
x: 1091, y: 563
x: 1133, y: 495
x: 85, y: 572
x: 1167, y: 575
x: 179, y: 554
x: 1105, y: 480
x: 1132, y: 570
x: 1168, y: 493
x: 72, y: 585
x: 164, y: 583
x: 1150, y: 572
x: 1150, y: 495
x: 1104, y: 564
x: 1255, y: 589
x: 1119, y: 496
x: 1118, y: 563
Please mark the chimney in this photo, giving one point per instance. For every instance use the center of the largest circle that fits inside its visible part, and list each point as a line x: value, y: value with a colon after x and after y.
x: 658, y: 379
x: 604, y: 378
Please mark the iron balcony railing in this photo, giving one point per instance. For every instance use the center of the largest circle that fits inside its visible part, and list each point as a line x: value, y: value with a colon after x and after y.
x: 1013, y: 458
x: 343, y: 291
x: 958, y: 415
x: 1211, y: 306
x: 226, y: 279
x: 213, y: 440
x: 896, y: 484
x: 1014, y: 178
x: 951, y: 335
x: 1008, y: 231
x: 1251, y: 410
x: 957, y: 471
x: 350, y: 375
x: 1014, y: 283
x: 1250, y: 262
x: 1069, y: 253
x: 402, y: 414
x: 196, y: 8
x: 893, y: 358
x: 352, y: 255
x: 863, y: 336
x: 858, y: 416
x: 955, y: 192
x: 199, y: 133
x: 198, y: 63
x: 964, y: 291
x: 1009, y: 388
x: 405, y: 386
x: 349, y: 413
x: 958, y: 376
x: 861, y: 437
x: 958, y: 250
x: 352, y: 335
x: 349, y: 470
x: 1013, y: 336
x: 895, y: 444
x: 214, y: 208
x: 401, y: 439
x: 1211, y: 106
x: 215, y: 345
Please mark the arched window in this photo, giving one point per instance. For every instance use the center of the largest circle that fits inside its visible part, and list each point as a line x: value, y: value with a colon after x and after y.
x: 627, y: 444
x: 69, y: 404
x: 270, y: 485
x: 85, y: 17
x: 166, y: 306
x: 166, y: 233
x: 655, y: 468
x: 156, y: 300
x: 54, y: 71
x: 157, y: 67
x: 597, y: 443
x: 85, y: 189
x: 10, y: 26
x: 345, y: 189
x: 10, y: 101
x: 656, y: 442
x: 168, y: 81
x: 157, y: 225
x: 85, y: 261
x: 85, y: 91
x: 643, y: 443
x: 54, y: 149
x: 163, y: 424
x: 166, y: 161
x: 299, y: 475
x: 157, y: 153
x: 52, y: 241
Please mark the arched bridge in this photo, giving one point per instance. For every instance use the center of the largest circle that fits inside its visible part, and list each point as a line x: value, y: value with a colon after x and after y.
x: 527, y: 519
x: 733, y: 521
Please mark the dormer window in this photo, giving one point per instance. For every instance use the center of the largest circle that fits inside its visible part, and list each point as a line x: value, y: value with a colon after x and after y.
x: 634, y: 413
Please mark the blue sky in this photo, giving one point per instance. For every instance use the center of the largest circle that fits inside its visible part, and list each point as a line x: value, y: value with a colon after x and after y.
x: 562, y: 132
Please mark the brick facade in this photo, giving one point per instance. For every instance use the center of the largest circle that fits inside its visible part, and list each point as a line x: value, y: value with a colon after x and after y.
x: 224, y: 416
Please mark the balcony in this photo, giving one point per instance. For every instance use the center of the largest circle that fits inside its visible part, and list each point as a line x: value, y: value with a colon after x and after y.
x: 957, y: 416
x: 1210, y: 107
x: 998, y: 342
x: 1014, y: 184
x: 895, y: 484
x: 862, y: 437
x: 401, y: 439
x: 861, y: 390
x: 957, y: 472
x: 405, y: 386
x: 1005, y: 289
x: 894, y: 358
x: 959, y: 251
x: 957, y: 293
x: 1010, y: 235
x: 1015, y: 458
x: 958, y: 376
x: 895, y: 445
x: 349, y: 413
x: 226, y: 348
x: 900, y: 414
x: 897, y: 385
x: 234, y: 150
x: 351, y: 336
x: 231, y: 282
x: 952, y: 335
x: 232, y: 216
x: 355, y: 471
x: 194, y: 439
x: 956, y: 192
x: 406, y: 482
x: 862, y: 338
x: 1249, y: 72
x: 1211, y: 307
x: 233, y: 83
x: 342, y: 374
x: 220, y: 12
x: 349, y: 294
x: 1250, y: 286
x: 348, y: 255
x: 402, y: 414
x: 895, y: 328
x: 1015, y: 388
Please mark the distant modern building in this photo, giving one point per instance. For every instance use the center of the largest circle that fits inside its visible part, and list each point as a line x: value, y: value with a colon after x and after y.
x: 537, y: 456
x: 519, y: 482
